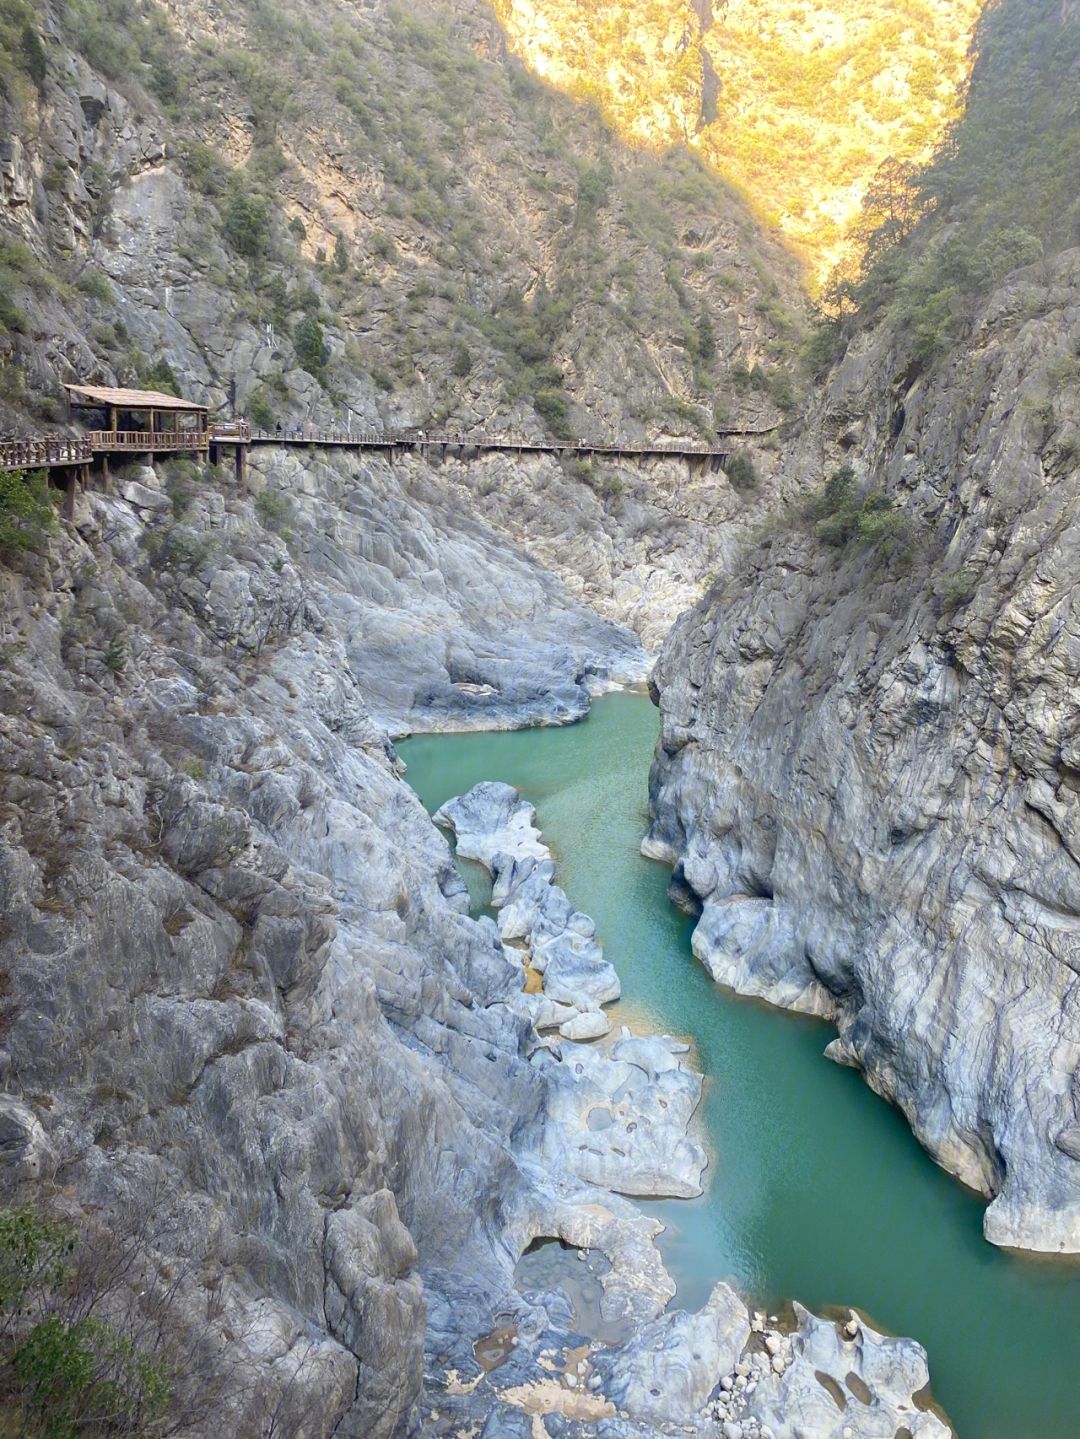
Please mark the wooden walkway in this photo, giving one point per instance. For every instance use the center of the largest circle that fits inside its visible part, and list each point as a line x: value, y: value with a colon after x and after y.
x: 54, y: 451
x: 464, y: 445
x: 44, y: 452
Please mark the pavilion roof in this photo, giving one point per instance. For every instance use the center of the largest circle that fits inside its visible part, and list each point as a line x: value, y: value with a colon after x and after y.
x: 93, y: 395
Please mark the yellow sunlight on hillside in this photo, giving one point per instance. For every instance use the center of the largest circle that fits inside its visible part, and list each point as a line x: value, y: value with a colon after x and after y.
x: 797, y: 103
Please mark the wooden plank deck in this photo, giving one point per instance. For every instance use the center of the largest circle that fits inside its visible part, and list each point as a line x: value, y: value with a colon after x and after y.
x: 504, y: 444
x: 49, y: 451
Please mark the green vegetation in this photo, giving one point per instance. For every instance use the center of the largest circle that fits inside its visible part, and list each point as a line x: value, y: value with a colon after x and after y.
x: 246, y: 222
x: 849, y: 518
x: 27, y: 512
x: 260, y: 411
x: 550, y: 404
x: 805, y: 107
x: 65, y: 1371
x: 274, y: 509
x: 408, y: 92
x: 999, y: 195
x: 309, y: 342
x: 22, y: 52
x: 740, y: 470
x: 957, y: 589
x: 160, y: 376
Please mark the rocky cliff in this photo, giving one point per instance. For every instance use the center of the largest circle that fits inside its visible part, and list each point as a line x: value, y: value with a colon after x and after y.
x: 381, y: 219
x: 249, y: 1029
x: 797, y: 106
x: 866, y: 773
x: 285, y: 1092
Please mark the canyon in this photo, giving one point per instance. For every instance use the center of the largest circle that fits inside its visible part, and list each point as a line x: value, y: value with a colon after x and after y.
x: 256, y: 1035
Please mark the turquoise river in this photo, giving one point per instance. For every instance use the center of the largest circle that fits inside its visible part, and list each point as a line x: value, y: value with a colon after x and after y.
x: 816, y: 1189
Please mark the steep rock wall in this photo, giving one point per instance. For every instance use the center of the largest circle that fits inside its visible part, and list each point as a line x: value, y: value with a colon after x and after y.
x: 867, y: 775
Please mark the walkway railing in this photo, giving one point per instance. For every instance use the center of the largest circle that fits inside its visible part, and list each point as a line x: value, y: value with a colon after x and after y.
x: 146, y: 441
x: 47, y: 450
x: 413, y: 439
x: 44, y: 451
x: 227, y: 432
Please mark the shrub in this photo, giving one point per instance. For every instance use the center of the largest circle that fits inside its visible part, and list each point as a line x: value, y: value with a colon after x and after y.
x: 27, y: 515
x: 181, y: 484
x: 181, y: 547
x: 822, y: 346
x: 846, y: 517
x: 782, y: 391
x: 273, y: 508
x: 246, y: 225
x: 705, y: 339
x: 550, y: 404
x: 740, y: 471
x: 382, y: 245
x: 67, y: 1372
x: 957, y: 589
x: 260, y: 411
x: 309, y: 343
x: 594, y: 188
x: 32, y: 53
x: 95, y: 286
x: 463, y: 362
x: 205, y: 169
x: 160, y: 376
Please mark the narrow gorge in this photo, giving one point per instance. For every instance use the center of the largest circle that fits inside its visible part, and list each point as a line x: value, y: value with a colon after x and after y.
x: 419, y: 418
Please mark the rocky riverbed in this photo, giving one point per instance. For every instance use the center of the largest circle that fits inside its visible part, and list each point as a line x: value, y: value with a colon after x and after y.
x: 617, y: 1114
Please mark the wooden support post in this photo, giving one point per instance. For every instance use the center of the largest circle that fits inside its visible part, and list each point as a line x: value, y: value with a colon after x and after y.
x: 67, y: 509
x: 105, y: 476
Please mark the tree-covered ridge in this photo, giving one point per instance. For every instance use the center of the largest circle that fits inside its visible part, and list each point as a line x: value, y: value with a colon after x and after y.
x: 796, y: 103
x: 640, y: 62
x: 1001, y: 192
x: 413, y: 221
x: 812, y: 98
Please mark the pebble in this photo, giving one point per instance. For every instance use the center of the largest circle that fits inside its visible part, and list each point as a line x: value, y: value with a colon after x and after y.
x: 773, y: 1343
x: 595, y: 1381
x: 733, y: 1431
x: 514, y: 1342
x: 851, y: 1328
x: 727, y: 1383
x: 778, y: 1364
x: 742, y: 1368
x: 571, y: 1380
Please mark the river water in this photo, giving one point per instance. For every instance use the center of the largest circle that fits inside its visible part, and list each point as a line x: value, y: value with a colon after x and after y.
x: 816, y: 1189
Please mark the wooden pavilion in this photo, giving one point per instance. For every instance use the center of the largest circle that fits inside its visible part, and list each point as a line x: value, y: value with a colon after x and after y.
x: 139, y: 422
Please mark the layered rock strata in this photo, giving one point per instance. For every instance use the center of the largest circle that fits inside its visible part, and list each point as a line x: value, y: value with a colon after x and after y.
x: 866, y: 774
